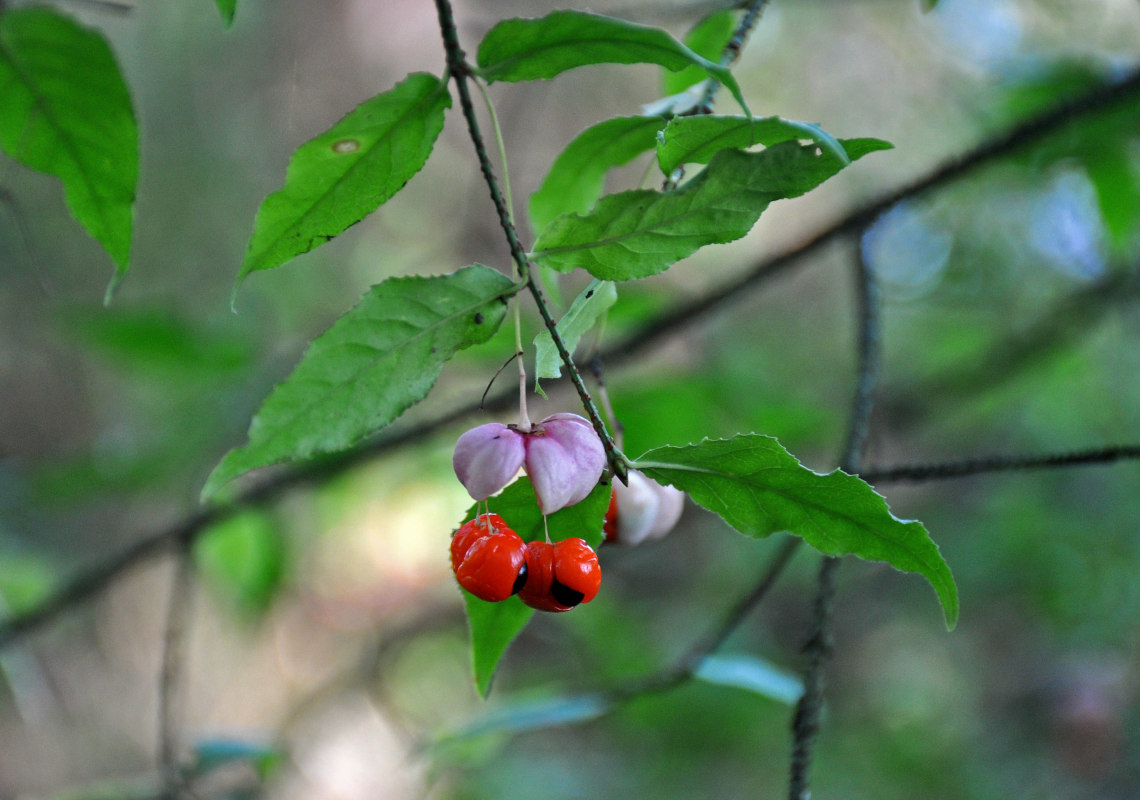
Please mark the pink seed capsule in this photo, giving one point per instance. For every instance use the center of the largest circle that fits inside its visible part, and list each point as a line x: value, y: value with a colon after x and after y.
x: 562, y: 455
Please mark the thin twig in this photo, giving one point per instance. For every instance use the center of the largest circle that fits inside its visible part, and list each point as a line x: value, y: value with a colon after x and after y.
x: 731, y: 52
x: 674, y: 322
x: 1063, y: 325
x: 460, y: 72
x: 685, y: 666
x: 173, y: 656
x: 805, y: 723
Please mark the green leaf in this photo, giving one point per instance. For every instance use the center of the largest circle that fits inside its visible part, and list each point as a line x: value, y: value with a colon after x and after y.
x: 641, y: 233
x: 577, y: 176
x: 26, y: 581
x: 536, y: 49
x: 495, y: 625
x: 245, y: 558
x: 695, y: 140
x: 928, y: 5
x: 594, y: 300
x: 65, y: 110
x: 227, y: 8
x: 759, y: 488
x: 370, y: 366
x: 708, y: 38
x: 752, y: 675
x: 340, y: 177
x: 1117, y: 187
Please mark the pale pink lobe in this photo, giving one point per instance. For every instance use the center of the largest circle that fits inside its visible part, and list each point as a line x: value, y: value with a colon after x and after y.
x: 487, y: 458
x: 671, y: 504
x: 564, y: 459
x: 638, y: 504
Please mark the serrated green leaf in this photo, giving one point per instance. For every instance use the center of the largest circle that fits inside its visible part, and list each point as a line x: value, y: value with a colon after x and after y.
x: 582, y: 315
x: 495, y: 625
x: 227, y: 8
x: 641, y: 233
x: 537, y: 49
x: 577, y: 176
x: 759, y: 488
x: 370, y: 366
x: 695, y: 140
x: 244, y: 557
x: 340, y: 177
x: 65, y: 110
x: 708, y: 38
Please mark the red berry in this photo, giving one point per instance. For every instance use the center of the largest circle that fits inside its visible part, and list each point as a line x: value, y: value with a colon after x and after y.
x: 489, y: 559
x: 560, y: 576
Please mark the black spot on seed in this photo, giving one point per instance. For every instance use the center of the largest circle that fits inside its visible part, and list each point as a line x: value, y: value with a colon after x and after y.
x: 564, y: 595
x: 520, y: 581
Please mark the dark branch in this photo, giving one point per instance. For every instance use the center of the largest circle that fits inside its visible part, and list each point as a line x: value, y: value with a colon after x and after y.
x: 731, y: 52
x: 805, y: 723
x: 920, y: 473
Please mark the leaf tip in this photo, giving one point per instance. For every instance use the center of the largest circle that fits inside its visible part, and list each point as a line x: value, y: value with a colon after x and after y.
x: 113, y: 287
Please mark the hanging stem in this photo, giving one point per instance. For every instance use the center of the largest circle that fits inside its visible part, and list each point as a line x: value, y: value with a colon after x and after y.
x: 502, y: 151
x: 461, y: 73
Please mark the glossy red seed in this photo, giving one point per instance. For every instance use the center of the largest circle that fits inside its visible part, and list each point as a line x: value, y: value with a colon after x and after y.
x: 470, y: 532
x: 490, y: 569
x: 560, y: 576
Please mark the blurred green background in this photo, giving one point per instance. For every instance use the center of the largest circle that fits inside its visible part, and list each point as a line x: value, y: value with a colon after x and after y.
x: 326, y: 629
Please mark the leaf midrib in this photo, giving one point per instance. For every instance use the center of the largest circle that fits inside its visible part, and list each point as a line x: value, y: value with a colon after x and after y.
x: 643, y: 465
x: 372, y: 362
x: 45, y: 108
x: 659, y: 198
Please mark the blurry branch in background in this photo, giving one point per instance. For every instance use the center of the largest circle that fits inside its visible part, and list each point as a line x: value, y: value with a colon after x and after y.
x: 173, y: 658
x: 1071, y: 319
x: 921, y: 473
x: 805, y: 723
x: 668, y: 324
